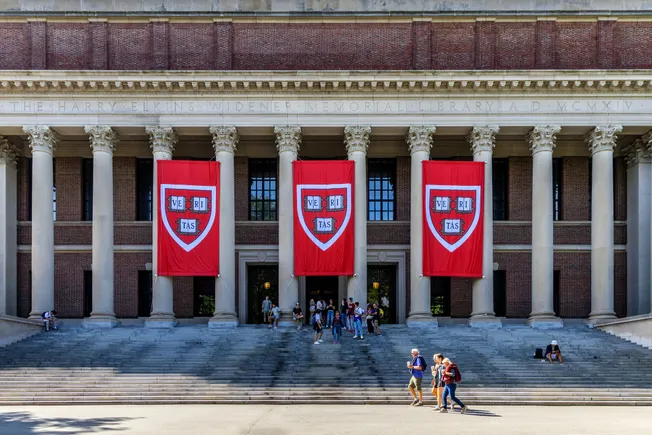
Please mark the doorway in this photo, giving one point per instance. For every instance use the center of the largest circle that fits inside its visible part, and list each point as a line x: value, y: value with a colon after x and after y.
x: 440, y: 296
x: 381, y: 289
x: 261, y: 281
x: 203, y: 288
x: 320, y: 287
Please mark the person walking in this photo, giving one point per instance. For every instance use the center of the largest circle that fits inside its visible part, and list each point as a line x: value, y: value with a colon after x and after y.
x: 317, y: 327
x: 276, y: 315
x: 416, y: 367
x: 357, y: 321
x: 438, y: 380
x: 451, y: 376
x: 267, y: 308
x: 349, y: 314
x: 337, y: 328
x: 344, y: 307
x: 330, y: 314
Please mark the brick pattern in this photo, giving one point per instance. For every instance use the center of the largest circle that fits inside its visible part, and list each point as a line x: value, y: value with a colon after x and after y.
x: 73, y: 235
x: 14, y: 46
x: 391, y: 233
x: 68, y: 181
x: 68, y: 46
x: 257, y: 233
x: 620, y: 284
x: 24, y: 302
x: 183, y: 296
x: 519, y: 190
x: 127, y: 266
x: 575, y: 189
x: 403, y: 188
x: 461, y: 297
x: 38, y: 45
x: 517, y: 42
x: 130, y: 46
x: 485, y: 52
x: 620, y: 189
x: 69, y: 282
x: 518, y: 268
x: 133, y: 235
x: 241, y: 194
x: 512, y: 234
x: 192, y: 46
x: 24, y: 194
x: 124, y: 188
x: 326, y: 46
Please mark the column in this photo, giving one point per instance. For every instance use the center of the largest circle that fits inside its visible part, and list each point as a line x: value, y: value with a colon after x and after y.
x: 103, y: 141
x: 483, y: 141
x: 419, y: 140
x: 288, y: 141
x: 43, y: 142
x: 356, y: 139
x: 542, y: 142
x: 641, y: 224
x: 8, y: 228
x: 163, y: 141
x: 225, y: 140
x: 602, y: 141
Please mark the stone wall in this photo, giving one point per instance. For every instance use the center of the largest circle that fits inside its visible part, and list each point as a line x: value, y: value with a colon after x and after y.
x: 466, y: 45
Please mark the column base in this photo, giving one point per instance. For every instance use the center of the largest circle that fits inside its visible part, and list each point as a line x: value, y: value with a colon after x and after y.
x: 485, y: 321
x: 545, y: 321
x: 600, y: 317
x: 161, y: 320
x: 422, y: 320
x: 35, y: 316
x: 101, y: 321
x: 287, y: 321
x: 223, y: 320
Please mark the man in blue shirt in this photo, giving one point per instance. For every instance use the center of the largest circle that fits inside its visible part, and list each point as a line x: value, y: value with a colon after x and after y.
x: 416, y: 368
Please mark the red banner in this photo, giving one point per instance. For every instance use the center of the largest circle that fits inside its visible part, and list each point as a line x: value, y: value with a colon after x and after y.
x: 453, y: 218
x: 323, y: 218
x: 188, y: 217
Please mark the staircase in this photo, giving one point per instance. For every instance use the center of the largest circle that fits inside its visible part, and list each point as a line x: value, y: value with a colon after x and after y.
x: 251, y: 364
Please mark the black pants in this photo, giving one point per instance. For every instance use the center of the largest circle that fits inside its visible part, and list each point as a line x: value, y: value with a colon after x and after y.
x: 370, y: 326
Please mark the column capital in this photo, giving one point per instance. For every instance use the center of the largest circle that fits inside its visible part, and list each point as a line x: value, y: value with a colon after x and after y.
x: 225, y: 138
x: 288, y: 138
x: 356, y: 138
x: 543, y: 137
x: 483, y: 138
x: 646, y: 140
x: 638, y: 152
x: 162, y: 139
x: 419, y: 138
x: 603, y: 138
x: 41, y: 138
x: 103, y: 138
x: 8, y: 153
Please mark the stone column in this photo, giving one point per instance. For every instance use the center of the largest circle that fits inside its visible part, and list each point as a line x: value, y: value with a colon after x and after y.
x: 602, y: 141
x: 43, y: 142
x: 542, y: 142
x: 225, y: 141
x: 163, y: 141
x: 419, y: 140
x: 483, y: 141
x: 356, y: 139
x: 103, y: 141
x: 8, y: 228
x: 642, y: 226
x: 288, y: 141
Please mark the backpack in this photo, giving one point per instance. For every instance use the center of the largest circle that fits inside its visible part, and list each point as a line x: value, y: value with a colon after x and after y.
x: 423, y: 364
x: 458, y: 375
x: 538, y: 353
x: 382, y: 313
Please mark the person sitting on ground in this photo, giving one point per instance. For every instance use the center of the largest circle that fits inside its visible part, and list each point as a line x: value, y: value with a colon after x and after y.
x: 49, y: 318
x: 553, y: 352
x: 297, y: 315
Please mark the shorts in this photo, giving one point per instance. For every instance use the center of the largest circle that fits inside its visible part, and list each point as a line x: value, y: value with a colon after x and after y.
x: 415, y: 383
x: 316, y: 327
x: 375, y: 323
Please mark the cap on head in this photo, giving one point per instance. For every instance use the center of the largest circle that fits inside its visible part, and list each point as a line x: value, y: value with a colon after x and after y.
x: 554, y: 342
x: 415, y: 350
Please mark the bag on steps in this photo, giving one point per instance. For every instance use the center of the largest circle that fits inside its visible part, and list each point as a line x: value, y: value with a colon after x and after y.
x: 538, y: 353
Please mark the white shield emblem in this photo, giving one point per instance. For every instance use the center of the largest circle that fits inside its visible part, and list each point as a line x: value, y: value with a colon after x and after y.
x: 324, y: 211
x: 188, y: 212
x: 452, y: 213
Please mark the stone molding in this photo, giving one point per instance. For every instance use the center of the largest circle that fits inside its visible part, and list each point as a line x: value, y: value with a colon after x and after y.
x: 162, y: 139
x: 103, y: 138
x: 646, y: 140
x: 542, y: 138
x: 288, y: 138
x: 225, y: 138
x: 483, y: 138
x: 405, y: 82
x: 638, y: 152
x: 41, y: 138
x: 8, y: 153
x: 356, y: 138
x: 419, y: 138
x: 603, y: 138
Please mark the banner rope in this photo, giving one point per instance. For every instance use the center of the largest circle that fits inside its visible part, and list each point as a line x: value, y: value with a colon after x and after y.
x: 289, y: 283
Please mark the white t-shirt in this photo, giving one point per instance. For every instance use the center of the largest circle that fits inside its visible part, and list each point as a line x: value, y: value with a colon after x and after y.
x: 319, y: 305
x: 47, y: 315
x: 317, y: 317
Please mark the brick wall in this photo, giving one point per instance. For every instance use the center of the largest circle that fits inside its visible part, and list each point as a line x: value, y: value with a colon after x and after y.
x: 68, y: 180
x: 575, y: 189
x: 519, y: 190
x: 326, y: 46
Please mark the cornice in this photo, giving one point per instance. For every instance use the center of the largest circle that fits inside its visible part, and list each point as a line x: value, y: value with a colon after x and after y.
x: 634, y: 82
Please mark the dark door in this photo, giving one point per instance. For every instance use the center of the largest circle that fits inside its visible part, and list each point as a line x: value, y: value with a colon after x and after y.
x: 500, y: 293
x: 144, y: 293
x: 203, y: 288
x: 88, y: 292
x: 384, y: 278
x: 262, y: 281
x: 320, y: 287
x: 440, y: 296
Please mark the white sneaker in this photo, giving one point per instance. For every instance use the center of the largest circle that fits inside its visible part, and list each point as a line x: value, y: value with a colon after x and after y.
x: 316, y: 342
x: 355, y: 336
x: 361, y: 337
x: 321, y: 341
x: 275, y: 327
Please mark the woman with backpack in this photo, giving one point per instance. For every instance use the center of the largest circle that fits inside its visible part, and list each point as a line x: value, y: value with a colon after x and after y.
x: 452, y: 377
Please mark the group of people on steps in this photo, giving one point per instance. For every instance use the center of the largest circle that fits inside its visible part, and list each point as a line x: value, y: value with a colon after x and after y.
x: 349, y: 317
